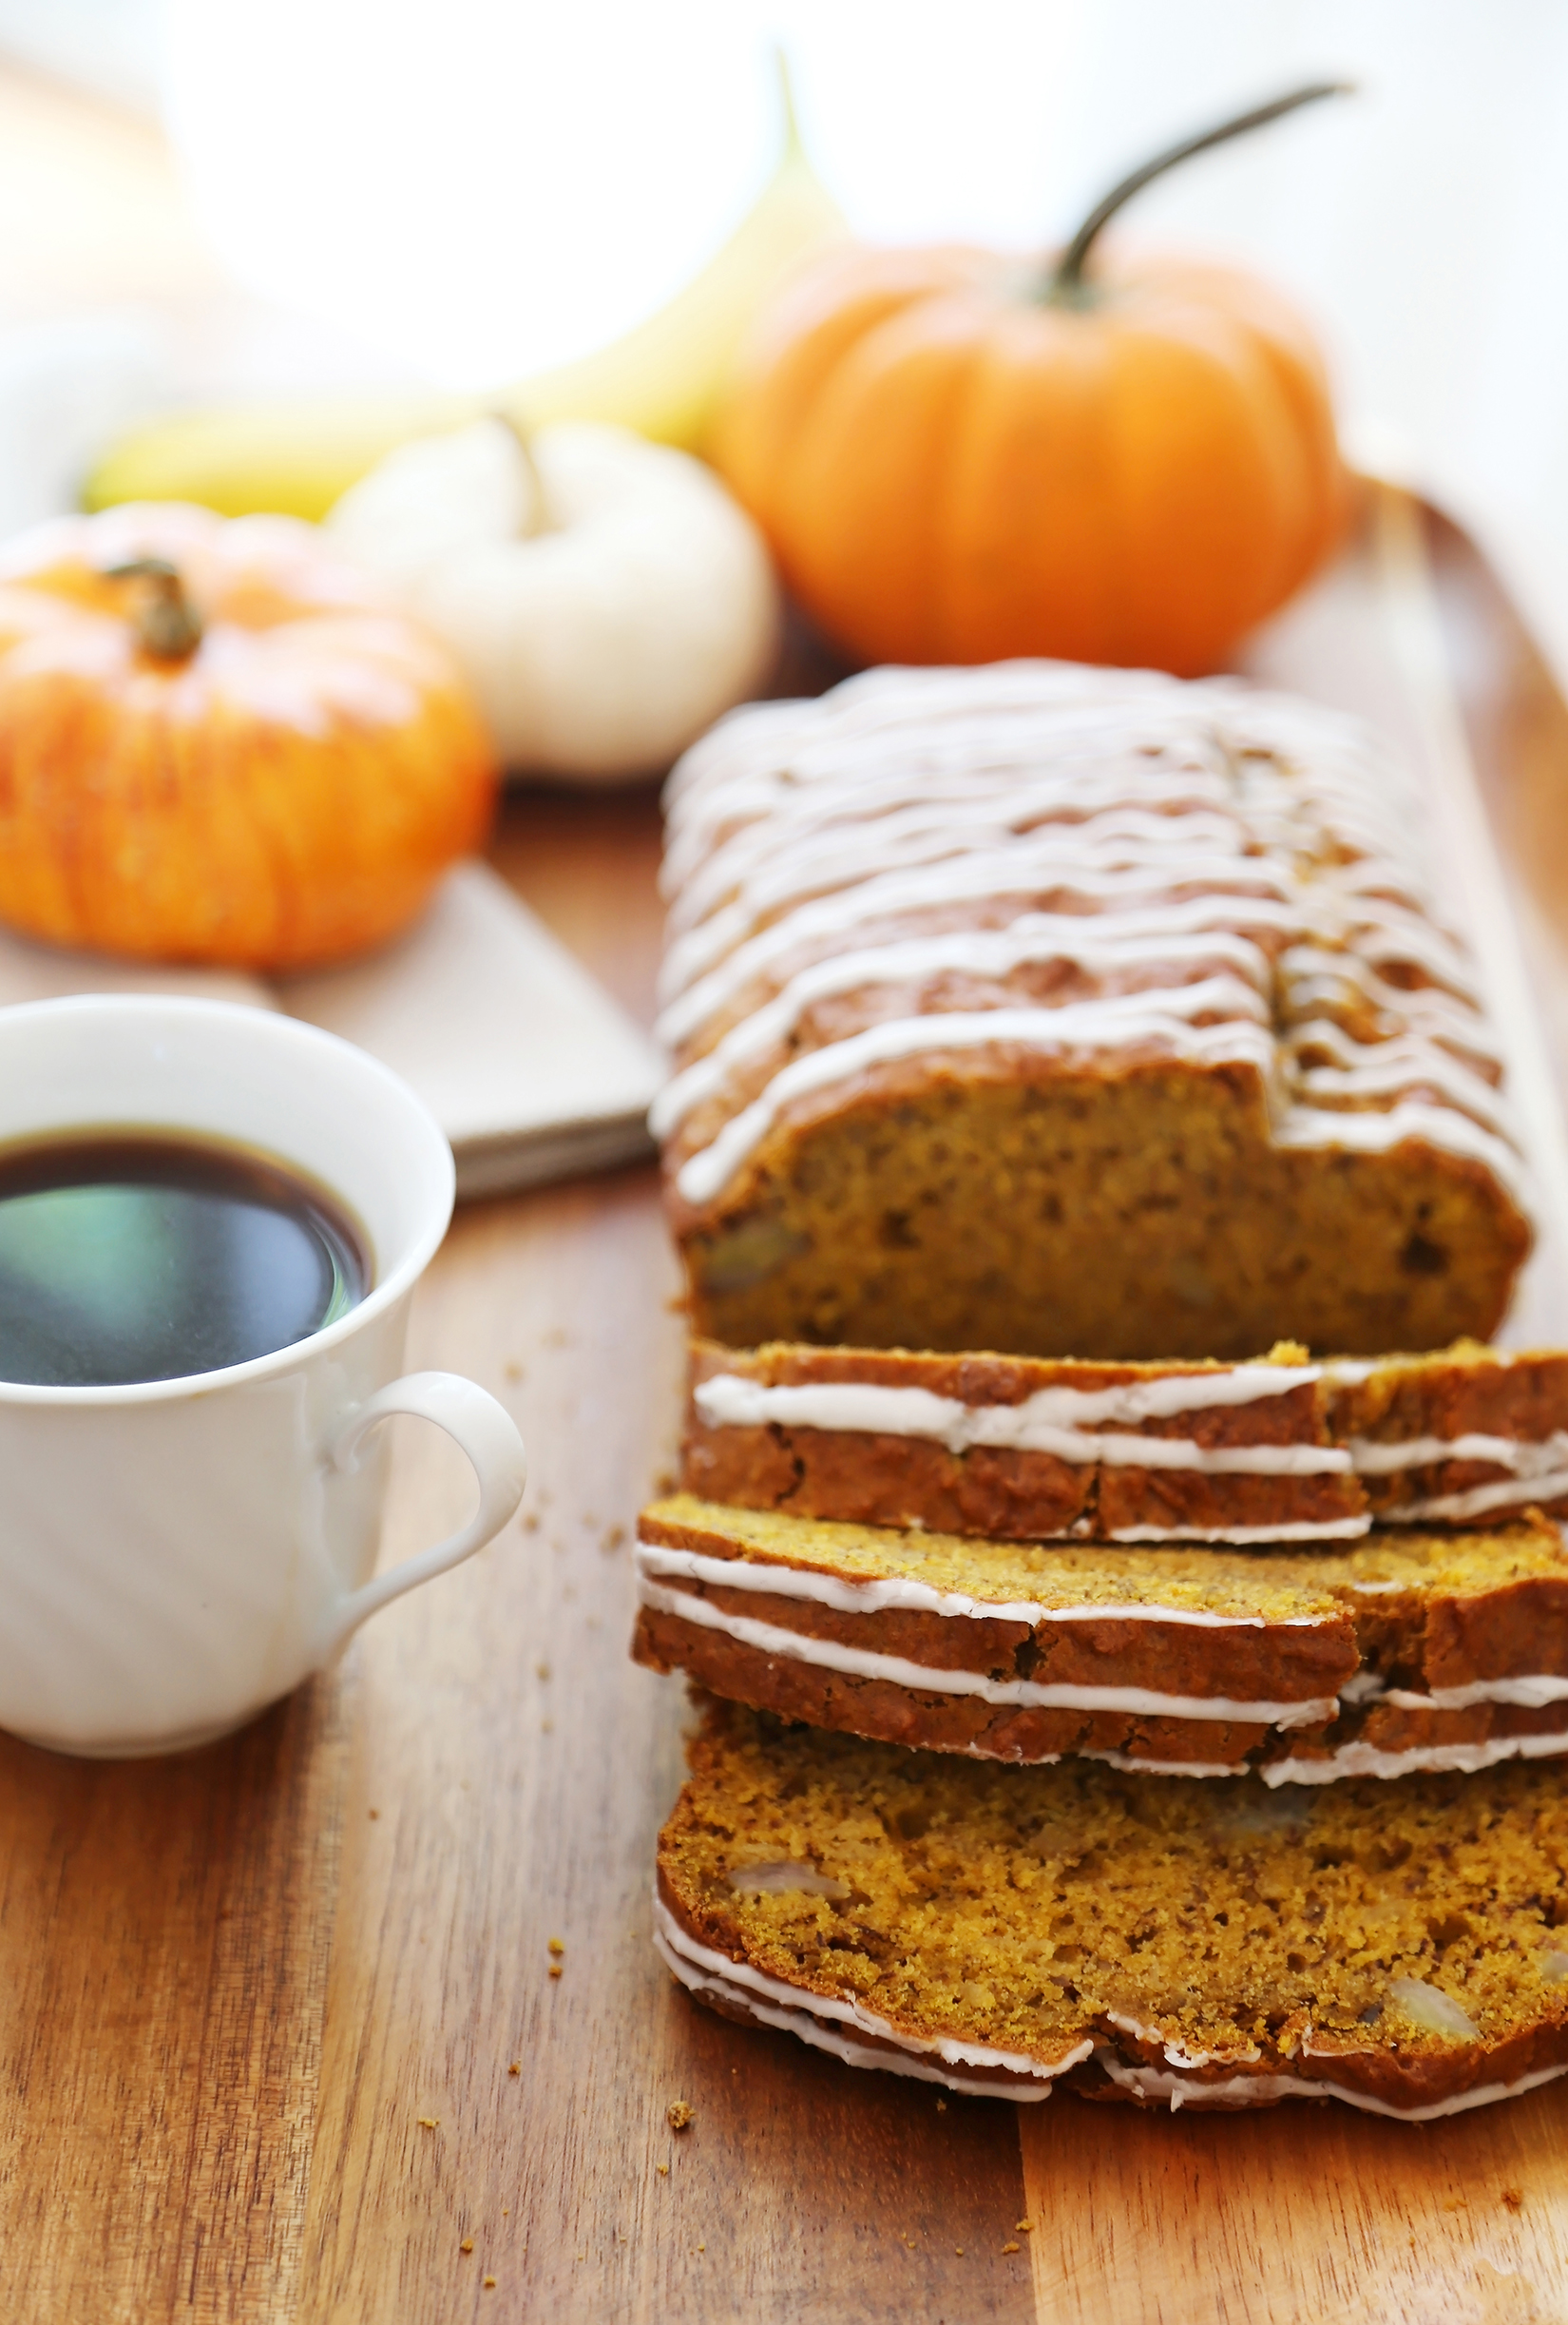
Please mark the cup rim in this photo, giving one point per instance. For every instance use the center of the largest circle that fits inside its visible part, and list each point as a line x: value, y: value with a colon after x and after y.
x: 243, y: 1019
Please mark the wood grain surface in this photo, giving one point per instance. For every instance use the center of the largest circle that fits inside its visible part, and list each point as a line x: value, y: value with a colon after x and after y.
x: 259, y: 2007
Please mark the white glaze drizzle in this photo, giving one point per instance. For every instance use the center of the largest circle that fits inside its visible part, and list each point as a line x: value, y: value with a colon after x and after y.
x: 994, y: 953
x: 1455, y: 1035
x: 1236, y: 907
x: 1300, y: 1529
x: 1176, y: 2054
x: 1259, y: 2090
x: 1312, y: 975
x: 863, y: 1662
x: 1036, y: 863
x: 1373, y: 1133
x: 1131, y: 1764
x: 1505, y: 1493
x: 762, y: 815
x: 1393, y: 1068
x: 926, y: 722
x: 799, y: 830
x: 1058, y: 1421
x: 845, y: 854
x: 800, y: 2022
x: 1352, y: 1759
x: 1526, y: 1691
x: 1076, y: 1025
x: 1527, y: 1457
x: 903, y: 1592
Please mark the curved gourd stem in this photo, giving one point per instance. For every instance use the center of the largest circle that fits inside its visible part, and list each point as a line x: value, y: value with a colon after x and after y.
x: 1066, y: 285
x: 168, y: 626
x: 788, y: 119
x: 543, y: 517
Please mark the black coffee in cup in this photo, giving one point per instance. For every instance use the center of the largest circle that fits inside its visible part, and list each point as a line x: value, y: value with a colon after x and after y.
x: 128, y: 1255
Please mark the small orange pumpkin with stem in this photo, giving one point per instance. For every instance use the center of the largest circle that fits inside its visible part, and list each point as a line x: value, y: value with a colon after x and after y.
x: 958, y: 458
x: 219, y: 746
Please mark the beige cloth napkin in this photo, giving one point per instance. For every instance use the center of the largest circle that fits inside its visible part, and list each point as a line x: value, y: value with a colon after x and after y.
x: 533, y: 1073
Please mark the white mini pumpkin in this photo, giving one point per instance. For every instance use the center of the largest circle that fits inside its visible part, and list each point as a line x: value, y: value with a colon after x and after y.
x: 602, y: 631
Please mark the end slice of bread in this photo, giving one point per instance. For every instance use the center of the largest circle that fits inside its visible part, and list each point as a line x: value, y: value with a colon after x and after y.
x: 1003, y: 1931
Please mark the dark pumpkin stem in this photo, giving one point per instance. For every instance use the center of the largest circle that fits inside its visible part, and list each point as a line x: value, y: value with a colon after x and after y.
x: 168, y: 626
x: 1066, y: 284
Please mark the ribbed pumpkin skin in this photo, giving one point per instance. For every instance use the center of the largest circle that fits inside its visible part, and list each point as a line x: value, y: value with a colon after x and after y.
x: 287, y: 796
x: 949, y: 471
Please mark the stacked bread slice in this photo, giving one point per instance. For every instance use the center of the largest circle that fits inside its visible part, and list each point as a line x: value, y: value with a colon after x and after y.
x: 1054, y: 1695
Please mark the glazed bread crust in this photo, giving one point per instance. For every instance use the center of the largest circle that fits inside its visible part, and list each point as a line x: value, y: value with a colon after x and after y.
x: 1071, y: 1011
x: 1031, y: 1449
x: 1406, y: 1652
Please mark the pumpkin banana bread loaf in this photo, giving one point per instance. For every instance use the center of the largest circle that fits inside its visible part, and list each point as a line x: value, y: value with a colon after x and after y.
x: 1035, y: 1447
x: 1004, y: 1929
x: 1404, y: 1652
x: 1072, y: 1011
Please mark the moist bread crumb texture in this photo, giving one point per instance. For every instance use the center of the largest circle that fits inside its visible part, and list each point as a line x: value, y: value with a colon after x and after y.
x: 1203, y: 1944
x: 1072, y: 1011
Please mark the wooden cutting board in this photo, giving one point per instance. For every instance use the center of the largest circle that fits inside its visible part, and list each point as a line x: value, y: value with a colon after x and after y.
x: 259, y: 2007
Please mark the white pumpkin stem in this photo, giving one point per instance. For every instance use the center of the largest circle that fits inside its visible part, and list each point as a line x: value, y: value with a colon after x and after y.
x: 544, y: 516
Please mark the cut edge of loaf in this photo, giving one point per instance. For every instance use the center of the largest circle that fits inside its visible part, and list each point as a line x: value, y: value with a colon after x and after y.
x: 1406, y: 1653
x: 1274, y: 1449
x: 1127, y: 1938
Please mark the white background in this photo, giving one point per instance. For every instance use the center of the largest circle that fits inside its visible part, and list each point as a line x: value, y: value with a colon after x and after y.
x: 469, y: 188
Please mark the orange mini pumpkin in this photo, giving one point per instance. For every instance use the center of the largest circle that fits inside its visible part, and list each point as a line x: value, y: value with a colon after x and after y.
x: 218, y: 745
x: 958, y: 458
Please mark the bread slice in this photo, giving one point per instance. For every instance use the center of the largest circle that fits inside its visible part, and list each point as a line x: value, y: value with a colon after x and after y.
x: 1004, y: 1930
x: 1456, y: 1437
x: 1072, y: 1011
x: 1031, y: 1449
x: 1405, y: 1652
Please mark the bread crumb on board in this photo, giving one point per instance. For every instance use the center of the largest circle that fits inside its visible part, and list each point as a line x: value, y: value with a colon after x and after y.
x: 1012, y: 2248
x: 429, y: 2122
x: 1022, y: 2228
x: 663, y: 2170
x: 678, y: 2114
x: 466, y: 2245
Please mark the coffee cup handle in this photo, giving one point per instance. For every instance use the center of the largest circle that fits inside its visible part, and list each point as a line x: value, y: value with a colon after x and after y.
x: 489, y: 1435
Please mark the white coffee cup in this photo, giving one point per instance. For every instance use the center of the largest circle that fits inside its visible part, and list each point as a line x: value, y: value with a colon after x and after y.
x: 176, y: 1554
